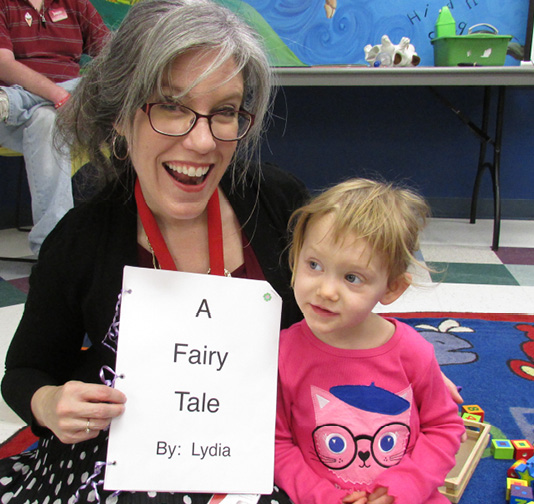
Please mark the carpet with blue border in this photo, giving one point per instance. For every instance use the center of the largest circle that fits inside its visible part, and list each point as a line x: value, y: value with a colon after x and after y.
x: 491, y: 356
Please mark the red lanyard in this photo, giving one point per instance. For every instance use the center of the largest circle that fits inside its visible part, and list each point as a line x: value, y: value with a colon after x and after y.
x: 157, y: 242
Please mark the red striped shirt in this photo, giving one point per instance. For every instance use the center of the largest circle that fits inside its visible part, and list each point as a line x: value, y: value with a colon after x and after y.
x: 52, y: 47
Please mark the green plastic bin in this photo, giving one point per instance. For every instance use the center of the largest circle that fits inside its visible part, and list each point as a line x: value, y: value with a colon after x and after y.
x: 482, y: 49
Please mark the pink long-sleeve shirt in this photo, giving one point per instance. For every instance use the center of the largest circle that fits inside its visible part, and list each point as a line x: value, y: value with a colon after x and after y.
x: 360, y: 419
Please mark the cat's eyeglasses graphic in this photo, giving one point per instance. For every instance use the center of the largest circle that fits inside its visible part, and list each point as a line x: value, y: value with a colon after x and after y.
x: 337, y: 447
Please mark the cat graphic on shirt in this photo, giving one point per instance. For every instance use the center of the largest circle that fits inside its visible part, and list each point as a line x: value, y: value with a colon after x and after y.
x: 361, y: 430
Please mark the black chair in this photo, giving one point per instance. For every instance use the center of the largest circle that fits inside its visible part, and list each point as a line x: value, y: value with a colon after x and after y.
x: 5, y: 152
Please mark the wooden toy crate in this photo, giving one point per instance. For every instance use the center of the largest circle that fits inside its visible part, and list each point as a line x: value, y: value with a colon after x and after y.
x: 466, y: 459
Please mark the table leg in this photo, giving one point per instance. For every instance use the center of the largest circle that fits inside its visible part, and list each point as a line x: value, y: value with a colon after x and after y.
x: 497, y: 168
x: 494, y: 168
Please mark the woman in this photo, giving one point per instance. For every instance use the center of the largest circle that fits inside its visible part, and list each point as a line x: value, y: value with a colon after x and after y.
x: 171, y: 113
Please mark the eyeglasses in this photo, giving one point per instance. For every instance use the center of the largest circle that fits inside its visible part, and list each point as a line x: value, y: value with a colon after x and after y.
x: 337, y: 447
x: 176, y: 120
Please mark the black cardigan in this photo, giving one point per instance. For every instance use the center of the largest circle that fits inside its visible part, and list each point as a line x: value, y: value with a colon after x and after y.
x: 75, y: 284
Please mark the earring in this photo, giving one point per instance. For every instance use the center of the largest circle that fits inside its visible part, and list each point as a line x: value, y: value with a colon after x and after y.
x: 114, y: 150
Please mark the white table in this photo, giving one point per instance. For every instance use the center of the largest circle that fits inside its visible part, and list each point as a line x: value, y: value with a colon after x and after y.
x: 491, y: 78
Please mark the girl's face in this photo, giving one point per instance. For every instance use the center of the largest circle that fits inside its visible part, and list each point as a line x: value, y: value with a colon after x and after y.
x: 337, y: 285
x: 179, y: 174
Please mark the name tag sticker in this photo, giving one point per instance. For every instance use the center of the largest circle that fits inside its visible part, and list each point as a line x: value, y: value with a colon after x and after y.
x: 58, y: 14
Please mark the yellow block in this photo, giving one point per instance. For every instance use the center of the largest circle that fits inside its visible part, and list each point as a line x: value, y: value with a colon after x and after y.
x: 513, y: 481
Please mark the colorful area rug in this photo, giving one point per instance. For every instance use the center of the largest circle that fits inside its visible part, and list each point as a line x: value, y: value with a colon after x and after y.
x: 491, y: 356
x: 19, y: 442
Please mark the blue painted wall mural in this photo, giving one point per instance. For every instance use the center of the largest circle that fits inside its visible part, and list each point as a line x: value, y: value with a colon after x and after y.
x: 322, y: 32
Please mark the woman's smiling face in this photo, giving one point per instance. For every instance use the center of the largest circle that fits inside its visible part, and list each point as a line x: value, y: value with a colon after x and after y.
x: 179, y: 174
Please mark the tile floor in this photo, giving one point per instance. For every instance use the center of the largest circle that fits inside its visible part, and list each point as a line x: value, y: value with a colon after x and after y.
x: 467, y: 276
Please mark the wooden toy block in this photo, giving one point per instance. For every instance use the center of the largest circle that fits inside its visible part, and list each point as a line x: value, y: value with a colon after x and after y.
x: 511, y: 482
x: 525, y: 472
x: 515, y: 481
x: 523, y: 449
x: 512, y: 470
x: 472, y: 416
x: 502, y: 449
x: 467, y: 458
x: 519, y: 500
x: 473, y: 409
x: 520, y: 494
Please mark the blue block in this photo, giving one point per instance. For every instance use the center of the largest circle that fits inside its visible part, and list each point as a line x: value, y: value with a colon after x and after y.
x: 520, y: 494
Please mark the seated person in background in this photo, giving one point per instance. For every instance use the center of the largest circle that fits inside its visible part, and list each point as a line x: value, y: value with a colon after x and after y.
x: 41, y: 43
x: 363, y: 412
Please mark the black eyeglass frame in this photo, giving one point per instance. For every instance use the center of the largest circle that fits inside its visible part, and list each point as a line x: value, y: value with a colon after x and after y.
x: 147, y: 107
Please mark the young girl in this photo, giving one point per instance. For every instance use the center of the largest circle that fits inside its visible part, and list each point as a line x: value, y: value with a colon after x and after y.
x: 364, y: 414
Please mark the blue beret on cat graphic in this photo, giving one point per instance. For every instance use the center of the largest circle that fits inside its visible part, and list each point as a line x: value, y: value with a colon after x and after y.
x: 371, y: 398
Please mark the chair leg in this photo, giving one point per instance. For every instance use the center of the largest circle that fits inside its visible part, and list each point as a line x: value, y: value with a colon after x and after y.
x: 18, y: 211
x: 29, y: 260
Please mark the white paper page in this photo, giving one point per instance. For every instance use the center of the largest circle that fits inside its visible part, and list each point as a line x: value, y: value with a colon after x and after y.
x: 199, y: 358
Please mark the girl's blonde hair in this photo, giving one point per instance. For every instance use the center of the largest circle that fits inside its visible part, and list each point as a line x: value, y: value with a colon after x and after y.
x: 387, y: 216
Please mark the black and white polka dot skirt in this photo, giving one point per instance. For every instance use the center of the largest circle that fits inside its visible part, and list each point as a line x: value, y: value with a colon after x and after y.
x: 55, y: 473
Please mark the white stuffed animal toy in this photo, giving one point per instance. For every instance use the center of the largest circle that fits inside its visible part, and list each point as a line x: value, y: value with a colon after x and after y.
x: 389, y: 54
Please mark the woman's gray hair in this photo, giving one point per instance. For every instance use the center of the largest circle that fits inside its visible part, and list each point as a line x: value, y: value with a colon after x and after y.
x: 133, y: 64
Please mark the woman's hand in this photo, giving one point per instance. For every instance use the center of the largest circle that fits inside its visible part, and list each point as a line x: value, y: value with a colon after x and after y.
x: 77, y: 411
x: 453, y: 389
x: 456, y: 397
